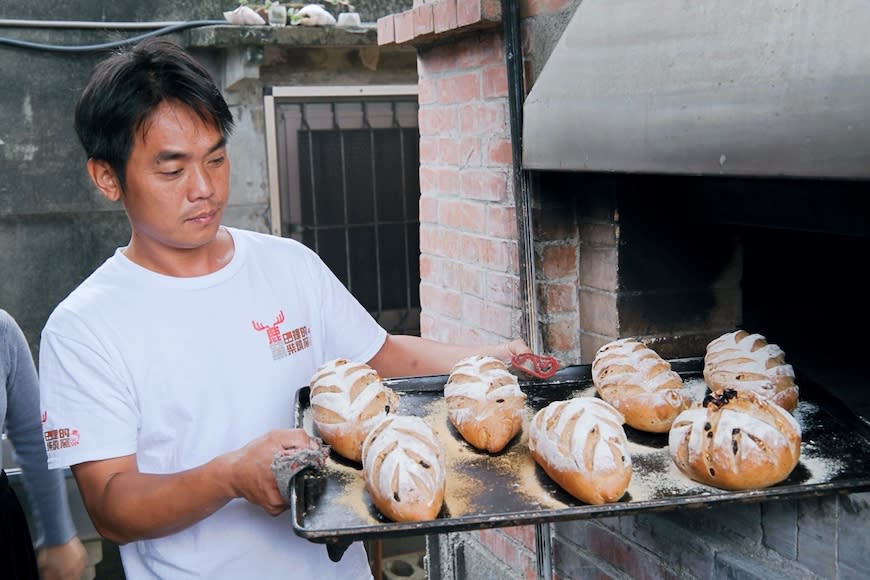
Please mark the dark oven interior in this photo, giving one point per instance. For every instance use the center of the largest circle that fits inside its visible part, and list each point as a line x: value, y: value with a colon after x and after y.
x: 782, y: 257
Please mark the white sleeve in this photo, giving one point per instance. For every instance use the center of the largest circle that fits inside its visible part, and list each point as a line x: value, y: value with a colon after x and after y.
x: 351, y: 332
x: 88, y: 410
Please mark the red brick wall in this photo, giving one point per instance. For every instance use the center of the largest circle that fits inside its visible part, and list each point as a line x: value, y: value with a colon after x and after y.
x: 469, y: 290
x: 514, y: 547
x: 557, y: 251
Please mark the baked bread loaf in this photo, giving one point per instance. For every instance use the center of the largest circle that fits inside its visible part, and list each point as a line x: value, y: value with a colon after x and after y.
x: 735, y: 440
x: 347, y: 400
x: 404, y: 464
x: 484, y: 402
x: 640, y: 384
x: 581, y: 445
x: 744, y: 361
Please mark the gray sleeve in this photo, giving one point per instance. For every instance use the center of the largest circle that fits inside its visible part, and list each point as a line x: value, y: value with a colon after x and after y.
x: 45, y: 488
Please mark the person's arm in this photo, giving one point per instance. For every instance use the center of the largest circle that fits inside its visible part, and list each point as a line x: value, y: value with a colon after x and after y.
x: 126, y: 505
x: 61, y: 554
x: 405, y: 355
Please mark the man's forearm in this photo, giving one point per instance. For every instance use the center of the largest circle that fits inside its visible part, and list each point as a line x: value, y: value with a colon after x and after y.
x: 136, y: 506
x: 404, y: 355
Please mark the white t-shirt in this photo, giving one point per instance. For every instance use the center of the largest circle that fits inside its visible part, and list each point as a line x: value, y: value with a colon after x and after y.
x: 180, y: 370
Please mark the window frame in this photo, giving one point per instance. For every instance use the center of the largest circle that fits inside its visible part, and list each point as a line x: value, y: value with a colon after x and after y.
x: 273, y: 97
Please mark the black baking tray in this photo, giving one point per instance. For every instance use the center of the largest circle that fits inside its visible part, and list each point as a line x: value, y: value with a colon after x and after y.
x: 508, y: 489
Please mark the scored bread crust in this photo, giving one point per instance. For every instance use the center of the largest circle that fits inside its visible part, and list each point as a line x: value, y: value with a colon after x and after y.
x: 641, y: 384
x: 404, y: 465
x: 581, y: 445
x: 740, y: 360
x: 735, y: 440
x: 347, y: 400
x: 484, y: 402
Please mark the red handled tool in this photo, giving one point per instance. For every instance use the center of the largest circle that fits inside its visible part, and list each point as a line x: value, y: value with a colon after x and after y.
x: 540, y: 366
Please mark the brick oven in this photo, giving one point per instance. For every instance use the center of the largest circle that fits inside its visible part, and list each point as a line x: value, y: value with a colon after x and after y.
x: 678, y: 171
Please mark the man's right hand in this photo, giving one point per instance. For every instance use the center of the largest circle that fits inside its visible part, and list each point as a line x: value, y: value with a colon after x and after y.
x: 252, y: 476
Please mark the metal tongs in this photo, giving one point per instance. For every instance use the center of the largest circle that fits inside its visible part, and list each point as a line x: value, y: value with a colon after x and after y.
x: 539, y: 366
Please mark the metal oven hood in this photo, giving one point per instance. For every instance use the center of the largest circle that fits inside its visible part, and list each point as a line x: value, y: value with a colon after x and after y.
x: 744, y: 87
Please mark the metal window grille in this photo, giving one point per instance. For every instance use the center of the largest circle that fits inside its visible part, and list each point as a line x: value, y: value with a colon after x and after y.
x: 349, y: 189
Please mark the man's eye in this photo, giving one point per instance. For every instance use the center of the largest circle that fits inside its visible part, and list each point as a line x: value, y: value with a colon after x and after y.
x: 175, y: 173
x: 217, y: 160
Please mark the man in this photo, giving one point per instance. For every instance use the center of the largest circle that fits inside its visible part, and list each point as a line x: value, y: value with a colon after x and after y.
x: 161, y: 389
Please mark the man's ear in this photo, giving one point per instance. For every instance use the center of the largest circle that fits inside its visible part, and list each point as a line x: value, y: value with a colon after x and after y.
x: 105, y: 179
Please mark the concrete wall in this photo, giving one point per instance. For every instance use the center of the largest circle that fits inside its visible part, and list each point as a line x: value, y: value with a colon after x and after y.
x: 54, y: 226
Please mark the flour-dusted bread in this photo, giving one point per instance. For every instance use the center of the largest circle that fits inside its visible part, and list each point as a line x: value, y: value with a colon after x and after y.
x: 735, y: 440
x: 347, y: 400
x: 405, y: 467
x: 484, y: 402
x: 581, y: 445
x: 640, y: 384
x: 744, y: 361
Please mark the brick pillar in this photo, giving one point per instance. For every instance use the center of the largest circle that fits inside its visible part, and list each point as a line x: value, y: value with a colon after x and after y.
x: 470, y: 283
x: 469, y: 291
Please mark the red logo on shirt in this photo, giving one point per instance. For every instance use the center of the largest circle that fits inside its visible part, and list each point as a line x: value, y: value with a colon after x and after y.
x: 65, y: 438
x: 273, y: 331
x: 287, y: 343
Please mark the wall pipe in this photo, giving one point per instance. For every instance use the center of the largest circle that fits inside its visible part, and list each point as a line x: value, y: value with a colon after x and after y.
x: 525, y: 241
x: 13, y: 23
x: 161, y: 28
x: 521, y: 178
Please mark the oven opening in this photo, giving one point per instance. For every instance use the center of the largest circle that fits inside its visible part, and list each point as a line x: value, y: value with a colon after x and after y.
x: 804, y: 244
x: 698, y: 256
x: 804, y: 289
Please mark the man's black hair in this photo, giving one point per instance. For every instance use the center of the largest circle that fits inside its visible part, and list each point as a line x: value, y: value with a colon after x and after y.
x: 125, y: 88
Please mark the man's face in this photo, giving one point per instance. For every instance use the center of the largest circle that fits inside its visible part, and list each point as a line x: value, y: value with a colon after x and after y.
x: 177, y: 183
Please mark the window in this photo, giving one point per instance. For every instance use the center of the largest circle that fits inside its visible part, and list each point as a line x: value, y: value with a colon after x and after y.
x: 346, y: 162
